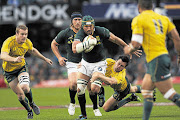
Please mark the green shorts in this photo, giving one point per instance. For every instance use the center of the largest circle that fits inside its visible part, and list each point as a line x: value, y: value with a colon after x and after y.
x: 10, y: 76
x: 159, y: 68
x: 120, y: 95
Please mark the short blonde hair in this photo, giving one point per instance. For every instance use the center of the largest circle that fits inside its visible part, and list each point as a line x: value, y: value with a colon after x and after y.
x: 23, y: 27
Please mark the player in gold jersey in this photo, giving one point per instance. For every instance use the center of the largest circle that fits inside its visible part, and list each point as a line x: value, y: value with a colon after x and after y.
x: 149, y: 29
x: 115, y: 76
x: 15, y: 68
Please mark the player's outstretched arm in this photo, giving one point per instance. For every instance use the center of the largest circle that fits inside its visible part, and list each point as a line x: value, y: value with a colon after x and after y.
x: 117, y: 40
x: 36, y: 53
x: 107, y: 80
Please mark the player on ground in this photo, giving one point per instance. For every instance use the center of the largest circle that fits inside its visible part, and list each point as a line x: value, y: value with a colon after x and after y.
x: 115, y: 76
x: 67, y: 36
x: 15, y: 69
x: 149, y: 29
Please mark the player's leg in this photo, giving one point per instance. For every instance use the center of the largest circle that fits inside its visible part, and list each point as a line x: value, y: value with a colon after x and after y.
x: 147, y: 92
x: 110, y: 104
x: 72, y: 69
x: 24, y: 81
x: 12, y: 79
x: 14, y: 85
x: 72, y: 91
x: 96, y: 86
x: 166, y: 88
x: 82, y: 82
x: 135, y: 89
x: 163, y: 80
x: 93, y: 97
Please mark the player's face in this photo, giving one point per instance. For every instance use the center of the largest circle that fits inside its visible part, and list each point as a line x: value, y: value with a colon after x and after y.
x: 119, y: 65
x: 76, y: 22
x: 21, y: 36
x: 88, y: 29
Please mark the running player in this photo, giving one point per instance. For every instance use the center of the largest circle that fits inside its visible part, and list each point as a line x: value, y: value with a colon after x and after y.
x: 15, y: 69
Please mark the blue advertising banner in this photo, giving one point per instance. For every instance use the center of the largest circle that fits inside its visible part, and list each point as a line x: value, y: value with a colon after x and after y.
x: 125, y: 11
x: 110, y: 11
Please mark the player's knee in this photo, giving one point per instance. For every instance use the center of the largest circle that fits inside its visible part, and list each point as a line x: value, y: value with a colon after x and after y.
x: 25, y: 88
x: 20, y: 96
x: 81, y: 86
x: 95, y: 86
x: 106, y: 109
x: 147, y: 93
x: 169, y: 94
x: 73, y: 86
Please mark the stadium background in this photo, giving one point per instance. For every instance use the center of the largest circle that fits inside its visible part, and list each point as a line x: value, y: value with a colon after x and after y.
x: 45, y: 18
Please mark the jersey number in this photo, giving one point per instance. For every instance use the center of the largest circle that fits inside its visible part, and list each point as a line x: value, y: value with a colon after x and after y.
x: 159, y: 28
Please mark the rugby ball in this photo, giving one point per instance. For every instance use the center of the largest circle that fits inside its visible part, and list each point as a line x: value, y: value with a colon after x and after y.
x: 86, y: 39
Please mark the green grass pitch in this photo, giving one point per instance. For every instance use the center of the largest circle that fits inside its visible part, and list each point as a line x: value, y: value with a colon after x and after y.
x: 59, y: 97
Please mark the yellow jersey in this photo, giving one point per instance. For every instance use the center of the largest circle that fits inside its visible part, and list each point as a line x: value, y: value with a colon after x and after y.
x: 119, y: 76
x: 154, y: 28
x: 14, y: 49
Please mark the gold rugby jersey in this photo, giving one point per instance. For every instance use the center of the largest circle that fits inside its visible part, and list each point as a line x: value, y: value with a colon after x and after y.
x: 119, y: 76
x: 14, y: 49
x: 154, y: 28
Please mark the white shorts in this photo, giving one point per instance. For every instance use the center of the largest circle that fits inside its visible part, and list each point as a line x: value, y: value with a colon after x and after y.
x: 71, y: 67
x: 89, y: 68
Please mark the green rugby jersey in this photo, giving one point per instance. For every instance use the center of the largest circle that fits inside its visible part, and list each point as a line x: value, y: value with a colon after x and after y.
x: 97, y: 53
x: 67, y: 36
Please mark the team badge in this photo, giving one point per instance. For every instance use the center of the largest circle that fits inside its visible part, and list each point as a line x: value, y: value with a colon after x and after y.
x: 99, y: 68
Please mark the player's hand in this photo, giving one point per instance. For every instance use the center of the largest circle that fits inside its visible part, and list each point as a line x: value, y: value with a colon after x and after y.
x: 18, y: 59
x: 48, y: 61
x: 62, y: 61
x: 138, y: 53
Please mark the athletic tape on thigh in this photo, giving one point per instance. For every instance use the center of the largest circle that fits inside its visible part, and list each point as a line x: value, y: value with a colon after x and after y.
x: 169, y: 93
x: 97, y: 82
x: 24, y: 79
x: 147, y: 92
x: 81, y: 85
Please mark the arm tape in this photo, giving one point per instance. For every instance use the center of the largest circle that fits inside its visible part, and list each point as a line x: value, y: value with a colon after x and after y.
x: 137, y: 38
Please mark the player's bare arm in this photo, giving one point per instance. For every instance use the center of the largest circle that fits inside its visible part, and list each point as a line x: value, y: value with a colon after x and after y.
x: 36, y: 53
x: 117, y: 40
x: 54, y: 47
x: 174, y: 35
x: 6, y: 57
x: 107, y: 80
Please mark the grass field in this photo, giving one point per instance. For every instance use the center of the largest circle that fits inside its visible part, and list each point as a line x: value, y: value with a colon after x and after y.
x: 58, y: 99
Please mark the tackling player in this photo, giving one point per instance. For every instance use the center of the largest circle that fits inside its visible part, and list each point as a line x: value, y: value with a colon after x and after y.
x: 115, y: 76
x: 15, y: 69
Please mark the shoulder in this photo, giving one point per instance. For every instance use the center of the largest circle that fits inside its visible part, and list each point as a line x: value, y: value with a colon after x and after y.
x: 98, y: 28
x: 10, y: 40
x: 110, y: 61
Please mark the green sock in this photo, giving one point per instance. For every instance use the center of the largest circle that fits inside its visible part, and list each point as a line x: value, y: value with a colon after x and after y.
x: 176, y: 99
x: 25, y: 104
x: 29, y: 96
x: 94, y: 100
x: 148, y: 104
